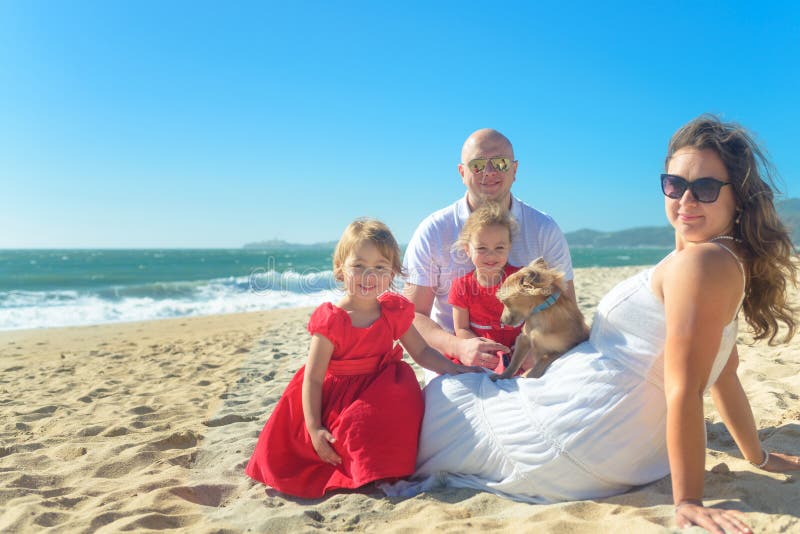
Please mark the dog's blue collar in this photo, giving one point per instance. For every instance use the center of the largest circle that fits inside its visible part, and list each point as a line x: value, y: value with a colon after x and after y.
x: 546, y: 304
x: 543, y: 306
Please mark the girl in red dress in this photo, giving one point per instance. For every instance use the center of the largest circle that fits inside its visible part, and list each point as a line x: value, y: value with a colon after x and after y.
x: 486, y: 238
x: 352, y: 414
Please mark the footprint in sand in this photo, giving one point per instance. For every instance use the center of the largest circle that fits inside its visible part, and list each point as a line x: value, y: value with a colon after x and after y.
x: 314, y: 515
x: 35, y: 481
x: 115, y: 431
x: 90, y: 431
x: 51, y: 519
x: 178, y: 440
x: 155, y: 521
x: 205, y: 494
x: 228, y: 419
x: 27, y: 447
x: 39, y: 413
x: 136, y: 461
x: 57, y: 492
x: 67, y: 502
x: 105, y: 519
x: 141, y: 410
x: 184, y: 460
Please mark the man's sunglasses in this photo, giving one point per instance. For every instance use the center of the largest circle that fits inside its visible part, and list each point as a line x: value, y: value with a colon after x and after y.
x: 703, y: 189
x: 499, y: 164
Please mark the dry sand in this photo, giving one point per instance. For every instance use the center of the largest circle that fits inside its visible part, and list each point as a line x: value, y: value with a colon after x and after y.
x: 148, y: 426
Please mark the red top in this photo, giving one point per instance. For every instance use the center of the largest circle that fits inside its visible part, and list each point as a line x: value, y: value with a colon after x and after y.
x: 484, y: 312
x: 483, y: 307
x: 363, y: 350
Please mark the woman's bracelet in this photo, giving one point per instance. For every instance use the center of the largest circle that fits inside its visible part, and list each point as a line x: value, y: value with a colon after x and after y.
x: 763, y: 463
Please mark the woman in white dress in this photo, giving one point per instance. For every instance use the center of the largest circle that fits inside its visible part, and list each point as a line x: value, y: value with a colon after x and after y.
x: 626, y: 407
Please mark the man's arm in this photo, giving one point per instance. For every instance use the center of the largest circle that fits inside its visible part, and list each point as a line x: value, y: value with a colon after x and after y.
x: 557, y: 255
x: 475, y: 351
x: 434, y: 335
x: 571, y: 291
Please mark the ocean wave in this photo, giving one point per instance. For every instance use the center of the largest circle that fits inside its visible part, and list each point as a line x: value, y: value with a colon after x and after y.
x: 261, y: 291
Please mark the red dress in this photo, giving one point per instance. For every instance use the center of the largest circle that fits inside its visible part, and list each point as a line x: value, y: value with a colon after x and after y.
x: 484, y: 310
x: 371, y: 403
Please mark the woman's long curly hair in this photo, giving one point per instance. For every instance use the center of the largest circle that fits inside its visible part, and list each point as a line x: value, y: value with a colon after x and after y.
x: 767, y: 246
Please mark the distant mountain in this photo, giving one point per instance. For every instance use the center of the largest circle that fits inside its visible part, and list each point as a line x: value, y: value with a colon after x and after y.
x: 646, y: 236
x: 280, y: 244
x: 664, y: 236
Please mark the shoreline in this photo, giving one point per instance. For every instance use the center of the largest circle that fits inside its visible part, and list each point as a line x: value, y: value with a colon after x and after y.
x: 589, y: 302
x: 148, y: 426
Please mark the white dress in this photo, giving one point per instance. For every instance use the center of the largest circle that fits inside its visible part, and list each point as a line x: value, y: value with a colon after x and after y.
x: 594, y: 425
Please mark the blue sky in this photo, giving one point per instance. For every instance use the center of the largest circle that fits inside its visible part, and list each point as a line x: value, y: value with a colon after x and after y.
x: 200, y: 124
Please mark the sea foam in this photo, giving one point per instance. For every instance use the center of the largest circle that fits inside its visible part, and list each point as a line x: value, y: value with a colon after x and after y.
x: 262, y: 290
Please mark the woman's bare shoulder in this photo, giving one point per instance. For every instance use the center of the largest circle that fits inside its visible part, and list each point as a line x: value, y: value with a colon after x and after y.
x: 705, y: 274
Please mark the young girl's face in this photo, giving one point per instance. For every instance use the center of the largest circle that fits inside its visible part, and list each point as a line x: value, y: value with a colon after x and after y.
x: 367, y: 272
x: 488, y: 249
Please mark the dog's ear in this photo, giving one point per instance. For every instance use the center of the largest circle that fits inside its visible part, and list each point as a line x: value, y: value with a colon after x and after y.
x: 538, y: 263
x: 530, y: 280
x: 532, y: 284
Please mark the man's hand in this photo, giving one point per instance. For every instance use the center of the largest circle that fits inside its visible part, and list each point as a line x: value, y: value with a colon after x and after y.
x: 321, y: 439
x: 480, y: 351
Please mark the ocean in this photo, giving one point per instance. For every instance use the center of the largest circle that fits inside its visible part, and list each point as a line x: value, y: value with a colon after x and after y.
x: 49, y: 288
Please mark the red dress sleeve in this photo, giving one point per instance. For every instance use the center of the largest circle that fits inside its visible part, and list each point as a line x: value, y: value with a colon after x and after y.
x: 399, y: 311
x: 327, y: 321
x: 458, y: 293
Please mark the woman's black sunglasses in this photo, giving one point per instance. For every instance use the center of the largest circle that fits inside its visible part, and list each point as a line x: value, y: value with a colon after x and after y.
x: 703, y: 189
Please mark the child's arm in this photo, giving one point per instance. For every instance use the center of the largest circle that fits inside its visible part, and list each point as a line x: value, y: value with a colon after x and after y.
x: 319, y: 355
x: 430, y: 358
x: 461, y: 323
x: 463, y: 331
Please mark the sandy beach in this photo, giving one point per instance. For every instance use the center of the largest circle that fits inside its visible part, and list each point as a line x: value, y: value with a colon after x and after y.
x: 148, y: 426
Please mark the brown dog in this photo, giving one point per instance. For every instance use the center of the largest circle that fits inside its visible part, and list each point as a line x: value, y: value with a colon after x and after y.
x: 553, y: 323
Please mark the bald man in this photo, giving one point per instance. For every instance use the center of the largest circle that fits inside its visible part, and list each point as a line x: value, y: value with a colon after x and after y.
x: 487, y: 169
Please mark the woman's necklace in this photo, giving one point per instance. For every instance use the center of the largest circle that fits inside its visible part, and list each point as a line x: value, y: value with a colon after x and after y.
x: 719, y: 237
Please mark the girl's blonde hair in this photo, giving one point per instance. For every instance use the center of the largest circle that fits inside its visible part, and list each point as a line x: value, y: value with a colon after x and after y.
x: 359, y: 231
x: 766, y: 242
x: 489, y: 214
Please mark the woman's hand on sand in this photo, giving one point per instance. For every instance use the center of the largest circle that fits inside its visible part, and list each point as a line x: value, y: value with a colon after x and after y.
x: 714, y: 520
x: 321, y: 439
x: 781, y: 463
x: 481, y: 352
